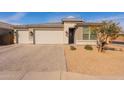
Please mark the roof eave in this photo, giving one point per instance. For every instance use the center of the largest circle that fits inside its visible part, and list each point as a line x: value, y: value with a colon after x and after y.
x: 89, y: 24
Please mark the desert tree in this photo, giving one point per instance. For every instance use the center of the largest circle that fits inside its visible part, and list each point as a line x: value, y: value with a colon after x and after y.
x: 106, y: 32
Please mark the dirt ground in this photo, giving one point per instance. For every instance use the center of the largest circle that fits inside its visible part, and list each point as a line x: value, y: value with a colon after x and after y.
x: 32, y: 58
x: 93, y: 63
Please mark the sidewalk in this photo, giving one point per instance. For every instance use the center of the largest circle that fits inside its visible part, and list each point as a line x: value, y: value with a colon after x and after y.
x: 17, y: 75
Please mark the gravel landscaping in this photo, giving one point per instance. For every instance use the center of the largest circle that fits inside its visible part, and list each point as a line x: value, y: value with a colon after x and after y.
x: 90, y: 62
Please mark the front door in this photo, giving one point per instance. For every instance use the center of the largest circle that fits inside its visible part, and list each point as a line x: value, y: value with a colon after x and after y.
x: 71, y: 35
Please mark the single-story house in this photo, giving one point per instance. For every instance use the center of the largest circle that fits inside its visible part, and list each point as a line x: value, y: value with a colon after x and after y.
x: 68, y: 31
x: 121, y: 36
x: 119, y: 39
x: 6, y: 34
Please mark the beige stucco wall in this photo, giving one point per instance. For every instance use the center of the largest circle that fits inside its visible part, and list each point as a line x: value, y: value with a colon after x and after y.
x: 79, y: 33
x: 65, y: 32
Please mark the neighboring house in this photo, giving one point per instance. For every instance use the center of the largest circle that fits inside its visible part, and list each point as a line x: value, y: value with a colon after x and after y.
x: 6, y: 34
x: 69, y: 31
x: 120, y: 37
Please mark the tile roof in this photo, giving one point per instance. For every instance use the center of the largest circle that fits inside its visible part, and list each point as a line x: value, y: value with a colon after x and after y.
x: 88, y: 24
x: 54, y: 25
x: 5, y: 25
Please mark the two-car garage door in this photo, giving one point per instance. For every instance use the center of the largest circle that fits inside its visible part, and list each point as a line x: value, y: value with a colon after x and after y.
x: 48, y: 37
x: 41, y: 37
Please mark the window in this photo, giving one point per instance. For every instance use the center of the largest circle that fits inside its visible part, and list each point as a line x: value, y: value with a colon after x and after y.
x: 88, y: 34
x: 92, y: 35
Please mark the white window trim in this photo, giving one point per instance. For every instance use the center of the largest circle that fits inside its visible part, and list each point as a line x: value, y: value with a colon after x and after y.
x: 89, y: 35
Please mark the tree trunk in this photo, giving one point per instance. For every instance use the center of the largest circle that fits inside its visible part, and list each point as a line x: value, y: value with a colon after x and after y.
x: 100, y: 45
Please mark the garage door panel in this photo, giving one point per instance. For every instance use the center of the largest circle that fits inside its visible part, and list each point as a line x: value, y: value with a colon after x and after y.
x: 49, y: 37
x: 23, y: 37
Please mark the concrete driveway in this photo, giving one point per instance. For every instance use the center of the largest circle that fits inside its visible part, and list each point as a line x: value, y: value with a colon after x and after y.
x: 37, y: 62
x: 32, y: 58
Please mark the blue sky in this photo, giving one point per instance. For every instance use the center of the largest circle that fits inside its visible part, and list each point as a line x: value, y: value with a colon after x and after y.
x: 44, y: 17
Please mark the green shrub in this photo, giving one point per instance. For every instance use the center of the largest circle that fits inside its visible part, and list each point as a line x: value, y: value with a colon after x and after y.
x: 88, y: 47
x: 72, y: 47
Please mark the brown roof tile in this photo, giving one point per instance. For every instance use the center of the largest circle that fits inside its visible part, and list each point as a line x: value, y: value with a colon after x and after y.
x: 54, y: 25
x: 88, y: 24
x: 5, y: 25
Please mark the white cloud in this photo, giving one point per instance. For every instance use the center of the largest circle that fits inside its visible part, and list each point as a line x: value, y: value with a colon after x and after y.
x: 117, y: 17
x: 58, y: 18
x: 14, y: 18
x: 16, y: 23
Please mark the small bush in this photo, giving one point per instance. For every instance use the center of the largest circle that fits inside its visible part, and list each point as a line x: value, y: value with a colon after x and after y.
x: 72, y: 47
x: 88, y: 47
